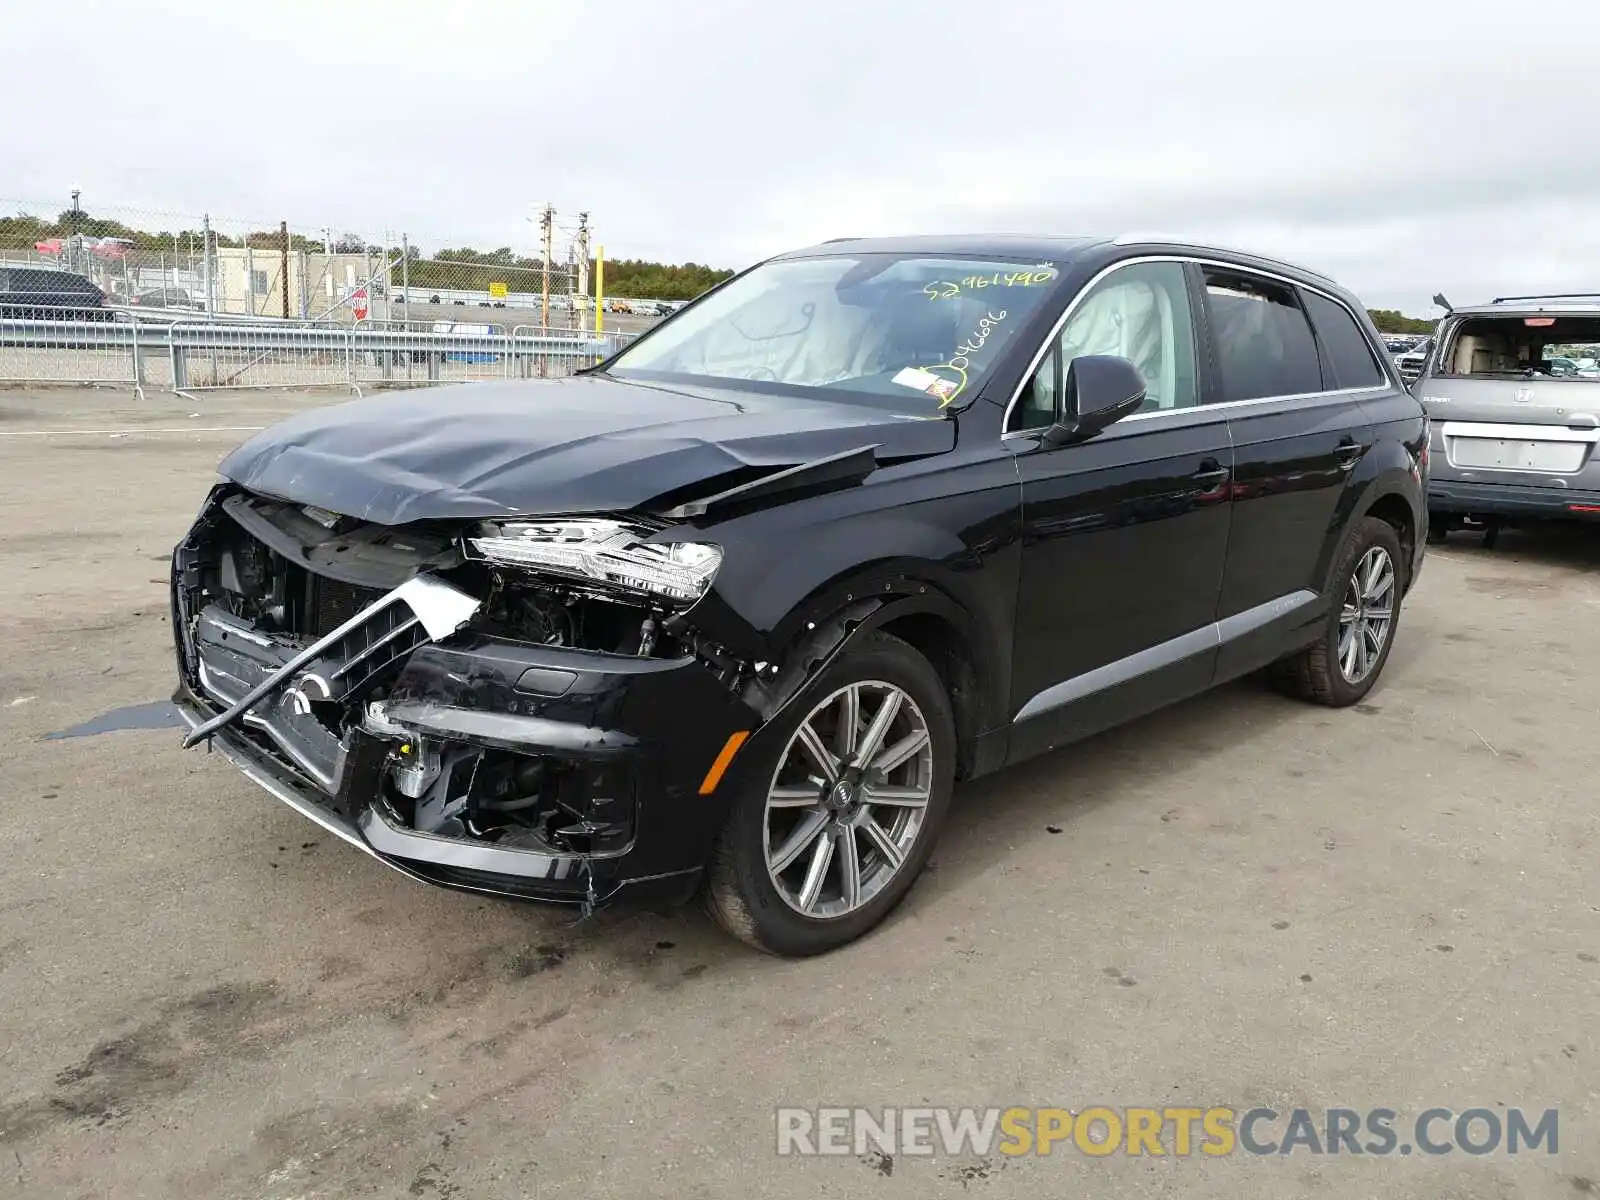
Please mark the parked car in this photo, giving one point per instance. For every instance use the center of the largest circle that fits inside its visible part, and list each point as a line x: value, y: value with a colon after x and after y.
x: 1515, y: 421
x: 1411, y: 363
x: 732, y: 611
x: 168, y: 298
x: 38, y: 294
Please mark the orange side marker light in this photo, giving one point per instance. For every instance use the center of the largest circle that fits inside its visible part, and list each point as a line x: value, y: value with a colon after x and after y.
x: 723, y: 761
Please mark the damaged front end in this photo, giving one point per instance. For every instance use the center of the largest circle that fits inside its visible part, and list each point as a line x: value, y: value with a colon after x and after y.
x: 520, y: 708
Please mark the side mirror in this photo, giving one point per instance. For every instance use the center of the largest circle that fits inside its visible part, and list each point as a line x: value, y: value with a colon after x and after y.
x: 1101, y: 390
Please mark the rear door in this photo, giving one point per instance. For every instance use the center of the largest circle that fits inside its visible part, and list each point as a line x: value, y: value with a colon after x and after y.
x: 1299, y: 430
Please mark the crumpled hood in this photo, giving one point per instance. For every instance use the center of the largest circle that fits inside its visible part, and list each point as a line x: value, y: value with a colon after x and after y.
x: 585, y: 444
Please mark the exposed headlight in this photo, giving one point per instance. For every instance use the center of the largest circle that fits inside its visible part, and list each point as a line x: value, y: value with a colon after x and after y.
x: 607, y: 552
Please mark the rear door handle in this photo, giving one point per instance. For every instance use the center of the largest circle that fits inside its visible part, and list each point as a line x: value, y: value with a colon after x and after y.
x: 1211, y: 474
x: 1348, y: 452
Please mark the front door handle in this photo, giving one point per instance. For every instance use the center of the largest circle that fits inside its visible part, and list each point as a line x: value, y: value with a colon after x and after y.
x: 1211, y: 474
x: 1348, y: 452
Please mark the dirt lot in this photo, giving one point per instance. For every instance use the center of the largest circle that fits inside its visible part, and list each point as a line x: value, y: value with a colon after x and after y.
x: 1248, y: 902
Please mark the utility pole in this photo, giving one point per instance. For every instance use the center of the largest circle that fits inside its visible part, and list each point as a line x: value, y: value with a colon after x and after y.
x: 547, y: 223
x: 77, y: 260
x: 250, y: 274
x: 581, y: 280
x: 405, y: 270
x: 205, y: 259
x: 283, y: 264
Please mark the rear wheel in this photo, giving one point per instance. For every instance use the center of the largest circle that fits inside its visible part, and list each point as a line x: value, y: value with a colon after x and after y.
x: 1341, y: 666
x: 840, y: 806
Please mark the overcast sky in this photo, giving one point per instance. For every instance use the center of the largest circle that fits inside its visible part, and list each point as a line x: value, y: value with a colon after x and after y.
x: 1402, y: 148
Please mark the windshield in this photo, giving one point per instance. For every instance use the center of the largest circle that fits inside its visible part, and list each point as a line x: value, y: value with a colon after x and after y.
x: 907, y: 332
x: 1525, y: 346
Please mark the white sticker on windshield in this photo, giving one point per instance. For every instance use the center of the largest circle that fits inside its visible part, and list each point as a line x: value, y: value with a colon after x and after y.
x: 916, y: 377
x: 926, y: 381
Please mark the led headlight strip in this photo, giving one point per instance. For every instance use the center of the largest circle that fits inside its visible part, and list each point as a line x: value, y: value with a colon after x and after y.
x: 602, y: 551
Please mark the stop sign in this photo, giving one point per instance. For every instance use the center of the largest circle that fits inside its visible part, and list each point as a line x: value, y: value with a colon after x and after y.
x: 358, y: 302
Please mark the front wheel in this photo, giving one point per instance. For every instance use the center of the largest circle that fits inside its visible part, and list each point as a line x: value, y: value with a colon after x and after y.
x: 1341, y: 666
x: 839, y: 806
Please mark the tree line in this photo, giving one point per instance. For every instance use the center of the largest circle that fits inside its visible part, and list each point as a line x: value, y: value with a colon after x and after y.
x: 1392, y: 320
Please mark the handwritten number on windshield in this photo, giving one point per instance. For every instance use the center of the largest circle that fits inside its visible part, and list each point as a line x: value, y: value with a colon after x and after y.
x: 944, y: 289
x: 960, y: 362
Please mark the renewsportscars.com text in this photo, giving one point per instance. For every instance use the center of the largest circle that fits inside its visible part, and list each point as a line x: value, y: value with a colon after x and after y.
x: 1100, y: 1131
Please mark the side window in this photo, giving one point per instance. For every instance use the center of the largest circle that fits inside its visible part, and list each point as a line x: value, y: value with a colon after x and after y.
x: 1348, y: 352
x: 1141, y: 313
x: 1264, y: 345
x: 1041, y: 398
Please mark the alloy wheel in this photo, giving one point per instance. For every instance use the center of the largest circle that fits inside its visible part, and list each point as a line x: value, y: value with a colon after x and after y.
x: 848, y: 800
x: 1367, y: 617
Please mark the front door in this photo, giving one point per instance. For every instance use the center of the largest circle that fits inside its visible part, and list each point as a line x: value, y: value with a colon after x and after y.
x: 1124, y: 535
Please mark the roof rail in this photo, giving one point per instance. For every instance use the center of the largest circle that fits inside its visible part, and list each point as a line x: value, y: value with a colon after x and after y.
x: 1171, y: 239
x: 1551, y: 296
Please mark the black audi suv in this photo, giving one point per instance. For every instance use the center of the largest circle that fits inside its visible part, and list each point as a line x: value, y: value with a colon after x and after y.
x: 730, y: 612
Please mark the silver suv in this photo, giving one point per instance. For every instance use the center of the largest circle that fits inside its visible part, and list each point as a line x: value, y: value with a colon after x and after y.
x: 1514, y: 398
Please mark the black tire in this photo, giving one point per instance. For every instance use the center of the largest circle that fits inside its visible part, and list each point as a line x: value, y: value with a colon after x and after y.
x: 1314, y: 673
x: 740, y: 894
x: 1491, y: 534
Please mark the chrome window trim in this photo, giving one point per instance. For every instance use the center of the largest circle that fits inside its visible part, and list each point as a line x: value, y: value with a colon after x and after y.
x: 1222, y: 406
x: 1385, y: 367
x: 1166, y: 239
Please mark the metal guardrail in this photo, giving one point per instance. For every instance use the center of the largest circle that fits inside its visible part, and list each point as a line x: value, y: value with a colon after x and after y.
x: 183, y: 356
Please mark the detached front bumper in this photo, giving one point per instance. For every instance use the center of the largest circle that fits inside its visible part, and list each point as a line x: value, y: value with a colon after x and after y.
x: 633, y: 739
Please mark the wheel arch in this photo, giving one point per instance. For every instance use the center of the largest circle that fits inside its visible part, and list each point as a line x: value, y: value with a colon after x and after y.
x: 1392, y: 506
x: 902, y: 599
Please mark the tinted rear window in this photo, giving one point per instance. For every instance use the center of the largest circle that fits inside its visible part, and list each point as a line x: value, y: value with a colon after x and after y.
x: 1264, y: 345
x: 1348, y: 352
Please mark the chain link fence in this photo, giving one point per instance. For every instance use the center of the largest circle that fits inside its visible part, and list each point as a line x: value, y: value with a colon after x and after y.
x: 158, y: 299
x: 226, y: 267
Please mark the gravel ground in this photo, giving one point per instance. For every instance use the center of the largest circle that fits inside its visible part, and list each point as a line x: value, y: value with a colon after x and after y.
x: 1240, y: 901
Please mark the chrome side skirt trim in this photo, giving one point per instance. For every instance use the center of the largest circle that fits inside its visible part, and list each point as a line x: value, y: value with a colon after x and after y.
x: 1165, y: 654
